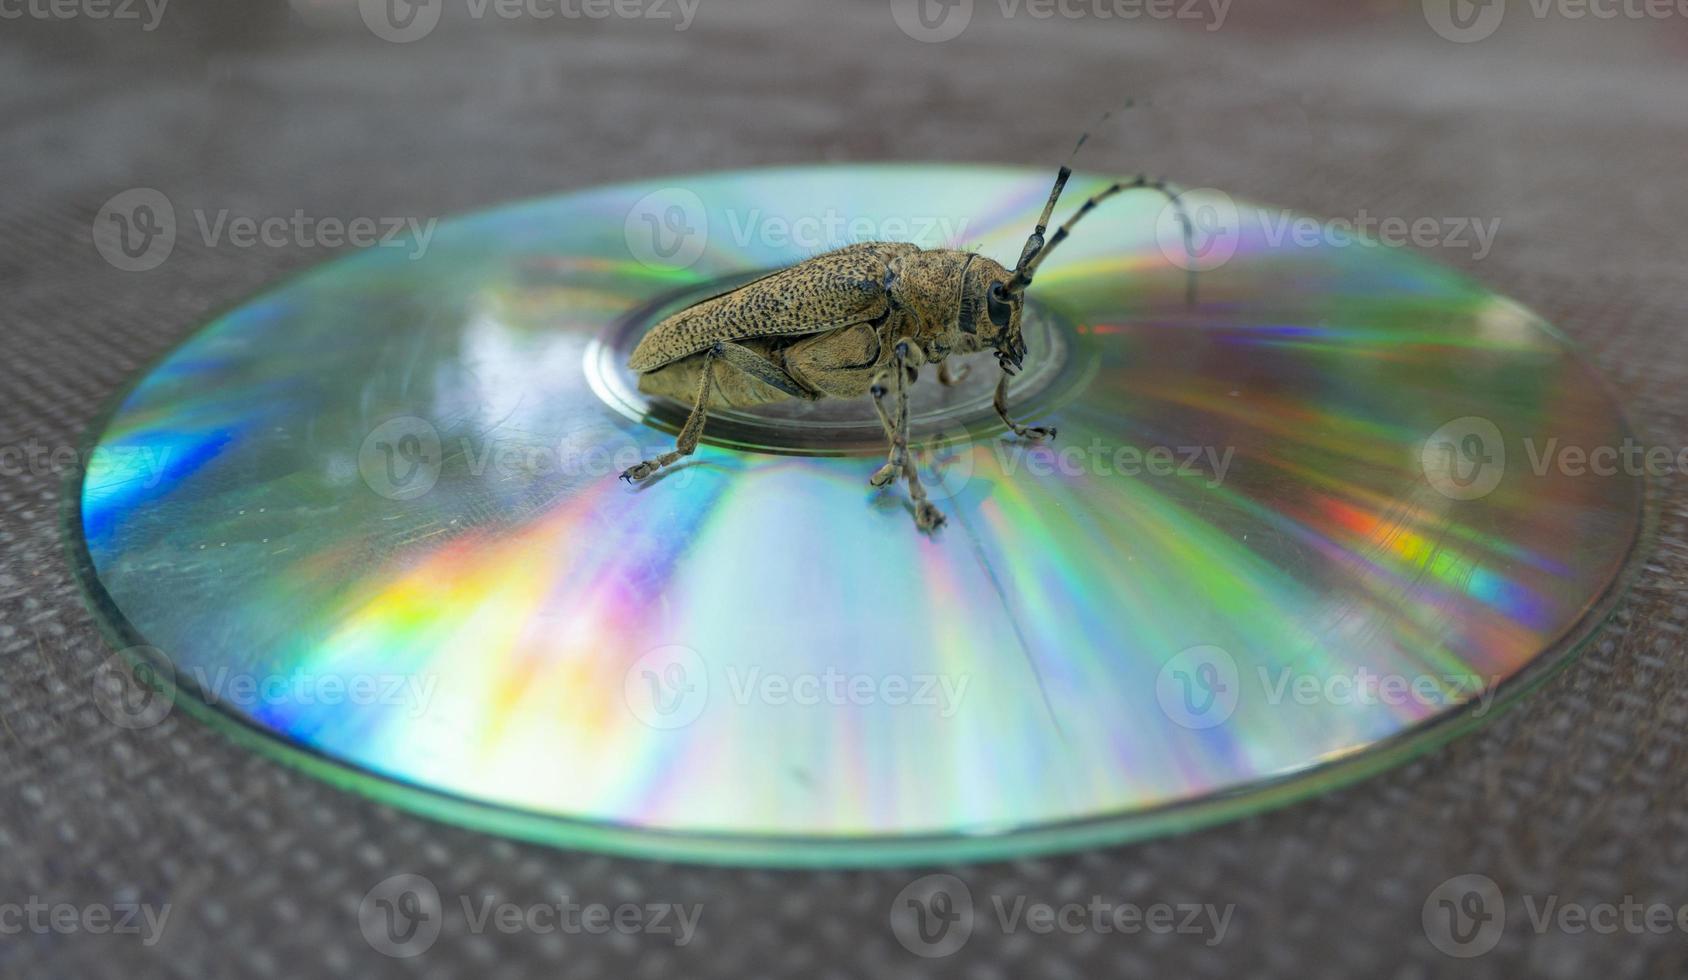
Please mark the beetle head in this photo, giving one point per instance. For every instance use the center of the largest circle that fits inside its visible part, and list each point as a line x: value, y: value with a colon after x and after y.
x: 990, y: 312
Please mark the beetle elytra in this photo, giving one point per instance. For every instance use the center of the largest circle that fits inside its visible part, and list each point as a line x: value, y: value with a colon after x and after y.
x: 859, y: 320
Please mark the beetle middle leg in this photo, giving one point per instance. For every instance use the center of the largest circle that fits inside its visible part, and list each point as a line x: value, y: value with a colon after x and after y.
x: 949, y: 378
x: 927, y: 516
x: 894, y: 421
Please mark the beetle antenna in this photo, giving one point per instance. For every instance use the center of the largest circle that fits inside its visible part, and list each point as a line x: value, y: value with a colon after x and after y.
x: 1023, y: 274
x: 1035, y: 244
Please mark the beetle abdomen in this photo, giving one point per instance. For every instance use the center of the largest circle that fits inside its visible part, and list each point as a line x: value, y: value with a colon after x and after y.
x: 828, y: 291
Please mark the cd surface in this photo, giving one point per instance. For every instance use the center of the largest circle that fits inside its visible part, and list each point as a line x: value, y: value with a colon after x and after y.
x: 1285, y: 536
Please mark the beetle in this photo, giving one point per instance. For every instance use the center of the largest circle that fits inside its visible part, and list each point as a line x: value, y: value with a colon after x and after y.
x: 858, y: 320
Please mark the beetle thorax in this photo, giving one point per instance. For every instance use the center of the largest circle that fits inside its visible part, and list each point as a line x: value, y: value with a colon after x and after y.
x: 928, y: 291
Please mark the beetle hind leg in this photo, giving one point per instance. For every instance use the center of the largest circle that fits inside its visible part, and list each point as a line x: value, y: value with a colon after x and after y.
x: 690, y: 433
x: 754, y: 366
x: 950, y: 378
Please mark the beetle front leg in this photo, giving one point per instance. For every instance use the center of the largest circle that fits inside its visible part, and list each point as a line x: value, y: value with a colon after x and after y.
x: 690, y: 433
x: 1000, y: 402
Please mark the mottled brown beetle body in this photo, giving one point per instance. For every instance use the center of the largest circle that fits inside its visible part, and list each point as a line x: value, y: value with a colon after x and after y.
x: 865, y: 298
x: 859, y: 320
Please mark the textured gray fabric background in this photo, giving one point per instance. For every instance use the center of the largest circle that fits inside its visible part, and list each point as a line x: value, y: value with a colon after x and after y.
x: 1571, y: 133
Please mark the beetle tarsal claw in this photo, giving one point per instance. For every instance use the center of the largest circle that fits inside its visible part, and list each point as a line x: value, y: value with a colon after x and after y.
x: 633, y: 474
x: 927, y: 516
x: 884, y: 475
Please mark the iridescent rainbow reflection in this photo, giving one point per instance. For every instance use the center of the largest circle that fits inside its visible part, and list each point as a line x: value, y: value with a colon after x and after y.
x: 507, y: 623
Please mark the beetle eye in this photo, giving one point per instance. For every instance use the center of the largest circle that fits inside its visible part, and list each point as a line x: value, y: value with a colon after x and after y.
x: 996, y: 301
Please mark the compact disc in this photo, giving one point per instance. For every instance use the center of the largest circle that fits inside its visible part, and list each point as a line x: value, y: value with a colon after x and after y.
x: 1315, y: 521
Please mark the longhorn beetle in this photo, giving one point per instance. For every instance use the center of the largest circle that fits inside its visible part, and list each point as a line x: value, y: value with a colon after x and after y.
x: 858, y: 320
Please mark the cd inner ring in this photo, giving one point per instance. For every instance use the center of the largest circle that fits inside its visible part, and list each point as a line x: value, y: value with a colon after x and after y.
x: 938, y: 414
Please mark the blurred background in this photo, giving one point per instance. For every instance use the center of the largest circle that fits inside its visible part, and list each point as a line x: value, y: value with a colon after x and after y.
x: 1559, y: 124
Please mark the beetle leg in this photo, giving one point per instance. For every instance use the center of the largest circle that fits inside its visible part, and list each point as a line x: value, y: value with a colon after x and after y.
x: 690, y: 433
x: 763, y: 370
x: 896, y: 428
x: 948, y: 378
x: 885, y: 474
x: 927, y: 516
x: 1000, y: 402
